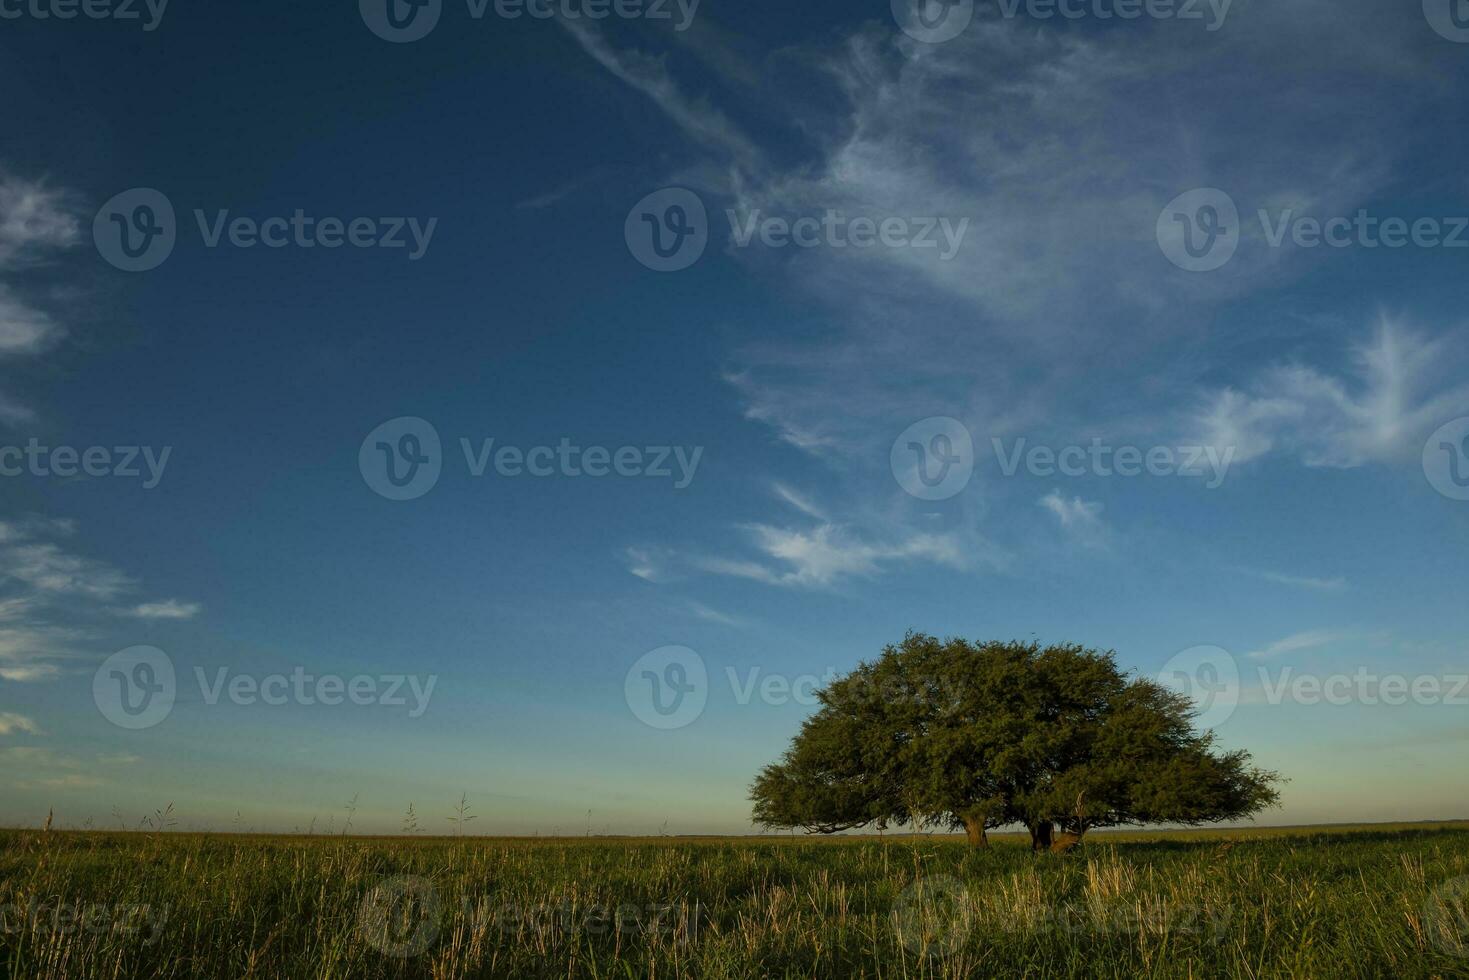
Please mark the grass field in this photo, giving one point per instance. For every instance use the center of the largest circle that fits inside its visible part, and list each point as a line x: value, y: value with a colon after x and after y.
x: 1384, y: 901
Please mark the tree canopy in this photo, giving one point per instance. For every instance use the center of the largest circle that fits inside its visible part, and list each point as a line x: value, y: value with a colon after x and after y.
x: 958, y: 734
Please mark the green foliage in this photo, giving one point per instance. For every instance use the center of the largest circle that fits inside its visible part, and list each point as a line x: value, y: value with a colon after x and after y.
x: 952, y: 733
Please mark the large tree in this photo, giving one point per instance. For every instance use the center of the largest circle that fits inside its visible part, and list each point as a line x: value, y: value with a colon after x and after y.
x: 977, y: 736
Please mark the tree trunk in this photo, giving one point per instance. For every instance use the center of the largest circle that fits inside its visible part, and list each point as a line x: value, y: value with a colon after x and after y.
x: 1040, y: 835
x: 974, y: 828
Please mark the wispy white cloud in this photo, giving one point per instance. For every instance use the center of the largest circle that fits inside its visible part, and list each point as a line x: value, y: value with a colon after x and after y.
x: 1295, y: 643
x: 1081, y: 520
x: 46, y: 768
x: 35, y: 220
x: 49, y: 569
x: 24, y: 646
x: 12, y: 723
x: 1074, y: 513
x: 648, y: 564
x: 1378, y: 410
x: 827, y: 554
x: 558, y: 194
x: 23, y: 329
x: 13, y: 413
x: 1059, y: 296
x: 30, y: 527
x: 52, y: 584
x: 1073, y: 142
x: 16, y: 607
x: 28, y: 673
x: 648, y: 75
x: 786, y: 410
x: 34, y: 755
x: 798, y: 501
x: 166, y: 609
x: 713, y: 615
x: 72, y: 780
x: 1337, y: 584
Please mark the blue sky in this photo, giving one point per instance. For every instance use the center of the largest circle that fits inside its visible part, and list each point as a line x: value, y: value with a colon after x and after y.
x: 1060, y: 146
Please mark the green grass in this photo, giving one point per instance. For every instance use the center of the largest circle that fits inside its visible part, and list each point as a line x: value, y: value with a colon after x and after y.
x: 1308, y: 902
